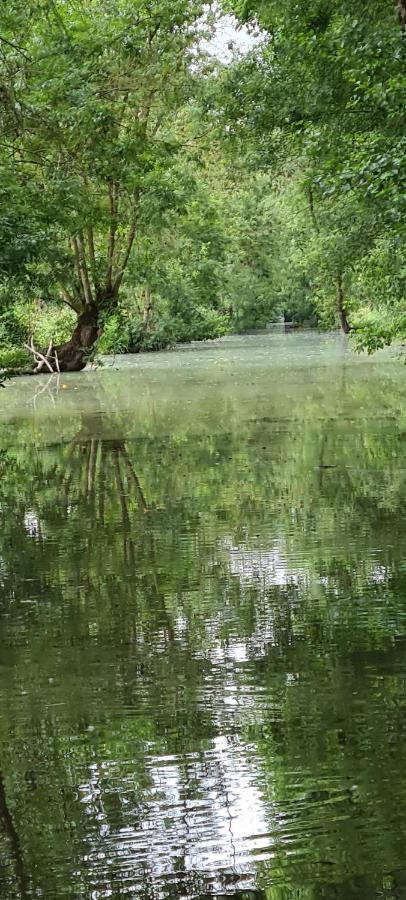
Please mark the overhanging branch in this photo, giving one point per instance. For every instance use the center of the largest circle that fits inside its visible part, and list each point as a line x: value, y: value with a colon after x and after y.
x: 70, y: 301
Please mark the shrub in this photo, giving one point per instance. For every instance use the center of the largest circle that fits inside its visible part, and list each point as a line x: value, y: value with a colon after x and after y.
x: 115, y: 337
x: 12, y: 358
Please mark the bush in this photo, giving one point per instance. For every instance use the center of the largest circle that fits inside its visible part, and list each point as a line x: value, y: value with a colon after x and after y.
x: 12, y: 358
x: 205, y: 324
x: 13, y: 313
x: 115, y: 337
x: 54, y: 323
x: 22, y: 316
x: 374, y: 329
x: 157, y: 335
x: 126, y: 332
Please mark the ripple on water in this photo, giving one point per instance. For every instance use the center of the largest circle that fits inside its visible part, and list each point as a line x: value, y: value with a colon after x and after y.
x: 202, y: 643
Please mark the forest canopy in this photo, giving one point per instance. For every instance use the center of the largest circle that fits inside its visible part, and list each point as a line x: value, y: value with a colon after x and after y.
x: 154, y: 192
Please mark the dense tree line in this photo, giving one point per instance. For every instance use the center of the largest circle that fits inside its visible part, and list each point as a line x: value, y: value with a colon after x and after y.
x: 322, y: 105
x: 152, y: 193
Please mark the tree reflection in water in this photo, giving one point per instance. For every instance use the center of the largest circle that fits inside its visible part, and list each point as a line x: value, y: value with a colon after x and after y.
x: 203, y: 660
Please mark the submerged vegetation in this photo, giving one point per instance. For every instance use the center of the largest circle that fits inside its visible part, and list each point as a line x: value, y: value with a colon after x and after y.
x: 152, y: 192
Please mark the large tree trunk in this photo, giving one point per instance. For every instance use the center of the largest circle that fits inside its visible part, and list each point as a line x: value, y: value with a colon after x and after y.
x: 342, y: 315
x: 73, y: 355
x: 69, y: 357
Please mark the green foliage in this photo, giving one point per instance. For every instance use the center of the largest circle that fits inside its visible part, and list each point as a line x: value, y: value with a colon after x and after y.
x: 179, y: 197
x: 321, y: 104
x: 90, y: 97
x: 115, y: 336
x: 203, y: 325
x: 205, y: 272
x: 22, y: 316
x: 13, y: 358
x: 251, y: 270
x: 126, y: 332
x: 51, y: 322
x: 158, y: 334
x: 14, y: 314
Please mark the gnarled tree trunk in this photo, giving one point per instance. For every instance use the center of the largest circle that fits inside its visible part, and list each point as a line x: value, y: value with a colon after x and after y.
x: 72, y: 356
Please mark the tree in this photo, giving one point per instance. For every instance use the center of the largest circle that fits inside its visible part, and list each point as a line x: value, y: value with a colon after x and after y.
x: 322, y: 101
x: 89, y: 99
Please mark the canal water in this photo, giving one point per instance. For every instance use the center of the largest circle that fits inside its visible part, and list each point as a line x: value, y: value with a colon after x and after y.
x: 203, y: 626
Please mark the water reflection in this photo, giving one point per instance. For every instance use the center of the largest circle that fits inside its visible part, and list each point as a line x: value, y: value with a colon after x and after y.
x: 203, y: 652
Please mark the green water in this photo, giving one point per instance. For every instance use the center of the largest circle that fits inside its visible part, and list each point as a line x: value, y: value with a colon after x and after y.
x: 203, y: 626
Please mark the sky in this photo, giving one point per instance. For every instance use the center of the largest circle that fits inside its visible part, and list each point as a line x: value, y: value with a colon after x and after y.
x: 226, y: 32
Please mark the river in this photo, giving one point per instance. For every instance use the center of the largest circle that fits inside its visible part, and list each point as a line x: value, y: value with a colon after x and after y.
x: 203, y: 626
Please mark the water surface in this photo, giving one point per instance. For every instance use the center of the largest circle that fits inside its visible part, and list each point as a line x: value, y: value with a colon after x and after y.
x: 203, y: 626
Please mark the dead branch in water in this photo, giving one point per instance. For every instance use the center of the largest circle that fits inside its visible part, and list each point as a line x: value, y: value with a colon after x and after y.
x: 49, y: 359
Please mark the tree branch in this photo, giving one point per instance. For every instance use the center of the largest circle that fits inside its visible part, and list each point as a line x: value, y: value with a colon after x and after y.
x: 90, y: 241
x: 312, y: 210
x: 75, y: 249
x: 128, y: 247
x: 70, y: 301
x: 126, y: 257
x: 39, y: 358
x: 82, y: 267
x: 113, y: 199
x: 92, y: 254
x: 23, y: 52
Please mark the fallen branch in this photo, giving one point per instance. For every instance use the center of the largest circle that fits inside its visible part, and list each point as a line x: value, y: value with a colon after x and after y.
x: 43, y: 360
